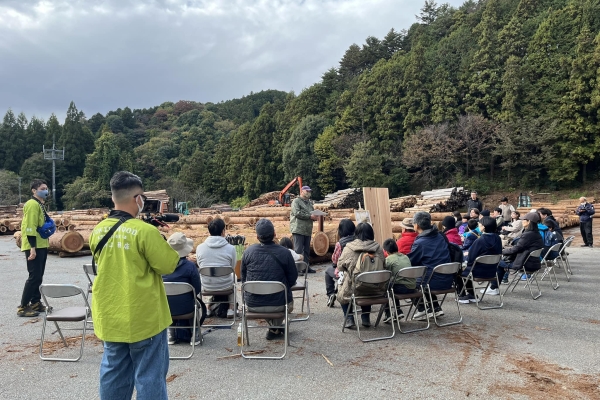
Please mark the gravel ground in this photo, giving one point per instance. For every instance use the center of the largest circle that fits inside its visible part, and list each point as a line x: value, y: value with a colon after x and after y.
x: 542, y: 349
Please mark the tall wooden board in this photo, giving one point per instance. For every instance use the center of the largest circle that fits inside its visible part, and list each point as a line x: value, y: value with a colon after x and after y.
x: 377, y: 202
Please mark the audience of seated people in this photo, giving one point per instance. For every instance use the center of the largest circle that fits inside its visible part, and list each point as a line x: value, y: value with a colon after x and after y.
x: 346, y: 230
x: 217, y: 252
x: 407, y: 237
x: 488, y: 243
x: 450, y: 230
x: 186, y: 272
x: 395, y: 262
x: 471, y: 234
x: 268, y: 261
x: 429, y: 250
x: 513, y: 231
x: 347, y: 263
x: 497, y: 215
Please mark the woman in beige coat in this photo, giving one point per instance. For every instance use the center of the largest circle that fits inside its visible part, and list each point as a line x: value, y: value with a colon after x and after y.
x: 347, y: 263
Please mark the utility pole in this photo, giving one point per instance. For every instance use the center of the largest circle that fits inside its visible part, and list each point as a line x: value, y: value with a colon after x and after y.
x: 54, y: 154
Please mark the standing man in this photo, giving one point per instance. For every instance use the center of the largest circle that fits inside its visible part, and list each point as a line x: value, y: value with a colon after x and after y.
x: 35, y: 248
x: 585, y: 212
x: 301, y: 223
x: 474, y: 202
x: 129, y: 305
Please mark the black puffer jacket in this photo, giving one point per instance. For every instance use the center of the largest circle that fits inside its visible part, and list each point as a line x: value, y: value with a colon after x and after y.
x: 556, y: 226
x: 530, y: 241
x: 259, y: 263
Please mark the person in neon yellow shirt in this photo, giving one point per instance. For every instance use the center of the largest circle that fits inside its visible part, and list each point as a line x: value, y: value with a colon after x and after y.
x: 129, y: 303
x: 35, y: 249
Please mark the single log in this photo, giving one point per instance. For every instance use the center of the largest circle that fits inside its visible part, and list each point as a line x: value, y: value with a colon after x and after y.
x: 82, y: 253
x: 3, y: 229
x: 333, y: 237
x: 242, y: 220
x: 69, y: 242
x: 17, y: 237
x: 61, y: 228
x: 320, y: 242
x: 261, y: 213
x: 96, y: 218
x: 71, y: 227
x: 197, y: 219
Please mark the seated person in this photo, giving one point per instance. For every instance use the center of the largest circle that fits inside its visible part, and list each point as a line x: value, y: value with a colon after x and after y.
x: 497, y: 215
x: 346, y: 230
x: 546, y: 215
x: 488, y: 244
x: 513, y: 231
x: 484, y: 213
x: 529, y: 241
x: 555, y: 238
x: 182, y: 304
x: 217, y: 252
x: 457, y: 218
x: 471, y: 235
x: 474, y: 213
x: 463, y: 225
x: 408, y: 236
x: 450, y: 230
x: 349, y: 265
x: 269, y: 261
x: 430, y: 250
x: 287, y: 243
x: 395, y: 262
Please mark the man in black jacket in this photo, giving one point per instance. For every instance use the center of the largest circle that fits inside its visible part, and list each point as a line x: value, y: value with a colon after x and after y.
x: 269, y: 261
x: 474, y: 202
x: 585, y: 212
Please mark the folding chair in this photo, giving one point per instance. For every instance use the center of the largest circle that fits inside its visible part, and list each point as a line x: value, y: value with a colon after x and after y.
x: 381, y: 278
x: 490, y: 263
x: 67, y: 314
x: 263, y: 288
x: 89, y: 273
x: 213, y: 272
x: 550, y: 261
x: 302, y: 287
x: 531, y: 276
x: 563, y: 257
x: 176, y: 289
x: 410, y: 273
x: 444, y: 269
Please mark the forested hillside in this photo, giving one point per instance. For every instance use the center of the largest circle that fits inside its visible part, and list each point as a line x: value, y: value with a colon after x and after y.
x: 495, y: 94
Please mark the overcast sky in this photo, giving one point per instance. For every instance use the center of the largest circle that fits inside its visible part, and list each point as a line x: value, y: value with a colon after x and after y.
x: 116, y: 53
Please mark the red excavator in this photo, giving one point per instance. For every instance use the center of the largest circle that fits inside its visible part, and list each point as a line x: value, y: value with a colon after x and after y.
x: 284, y: 198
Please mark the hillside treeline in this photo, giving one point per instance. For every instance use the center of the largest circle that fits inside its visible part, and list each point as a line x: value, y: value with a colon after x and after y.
x: 495, y: 94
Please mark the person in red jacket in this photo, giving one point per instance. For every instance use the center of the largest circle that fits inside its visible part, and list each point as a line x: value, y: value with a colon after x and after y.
x: 450, y: 230
x: 408, y: 236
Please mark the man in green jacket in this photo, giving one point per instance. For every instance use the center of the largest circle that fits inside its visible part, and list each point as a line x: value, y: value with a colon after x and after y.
x: 301, y: 223
x: 35, y: 248
x: 129, y: 304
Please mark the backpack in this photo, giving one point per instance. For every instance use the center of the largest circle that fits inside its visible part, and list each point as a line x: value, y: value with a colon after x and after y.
x: 548, y: 238
x: 368, y: 262
x: 456, y: 253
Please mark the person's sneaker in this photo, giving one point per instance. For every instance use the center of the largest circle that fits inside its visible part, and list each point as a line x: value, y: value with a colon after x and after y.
x: 39, y: 307
x: 490, y: 292
x: 366, y: 322
x: 473, y: 299
x: 504, y: 281
x: 591, y: 245
x: 350, y: 322
x: 311, y: 271
x: 198, y: 340
x: 584, y: 245
x: 230, y: 313
x: 26, y: 312
x: 464, y: 299
x: 331, y: 301
x: 273, y: 334
x: 525, y: 277
x: 421, y: 315
x: 439, y: 312
x: 171, y: 336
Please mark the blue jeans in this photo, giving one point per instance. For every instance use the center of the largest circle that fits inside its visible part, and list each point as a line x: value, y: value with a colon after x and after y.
x: 144, y: 364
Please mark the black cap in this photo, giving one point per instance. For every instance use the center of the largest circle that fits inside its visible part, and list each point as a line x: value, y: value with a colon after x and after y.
x: 264, y: 227
x: 485, y: 213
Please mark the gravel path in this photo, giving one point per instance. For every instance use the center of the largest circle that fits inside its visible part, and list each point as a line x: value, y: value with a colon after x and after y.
x: 543, y: 349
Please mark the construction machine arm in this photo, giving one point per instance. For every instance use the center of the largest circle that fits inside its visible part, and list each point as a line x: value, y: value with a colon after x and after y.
x: 288, y: 186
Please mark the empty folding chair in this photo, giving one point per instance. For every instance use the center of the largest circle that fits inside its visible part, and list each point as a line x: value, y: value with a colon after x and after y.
x: 410, y: 273
x: 450, y: 269
x: 563, y: 257
x: 213, y: 272
x: 177, y: 289
x: 549, y: 262
x: 89, y: 273
x: 484, y: 269
x: 66, y: 314
x: 531, y: 276
x: 263, y: 288
x: 375, y: 279
x: 302, y: 287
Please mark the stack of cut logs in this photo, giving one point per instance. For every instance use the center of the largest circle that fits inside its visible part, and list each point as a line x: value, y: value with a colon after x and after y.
x: 347, y: 198
x: 441, y: 200
x: 563, y: 211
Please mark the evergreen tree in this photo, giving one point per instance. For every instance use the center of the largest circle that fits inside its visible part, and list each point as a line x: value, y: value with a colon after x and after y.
x: 35, y: 136
x: 53, y: 132
x: 128, y: 118
x: 96, y: 122
x: 428, y: 13
x: 111, y: 154
x: 415, y: 105
x: 351, y: 64
x: 444, y: 100
x: 12, y: 137
x: 78, y: 141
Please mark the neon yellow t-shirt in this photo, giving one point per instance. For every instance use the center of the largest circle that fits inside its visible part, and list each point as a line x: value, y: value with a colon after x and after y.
x: 33, y: 218
x: 129, y: 303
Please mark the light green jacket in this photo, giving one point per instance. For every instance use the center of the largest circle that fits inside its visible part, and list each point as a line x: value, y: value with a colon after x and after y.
x: 300, y: 222
x: 396, y: 262
x: 33, y: 218
x: 129, y: 303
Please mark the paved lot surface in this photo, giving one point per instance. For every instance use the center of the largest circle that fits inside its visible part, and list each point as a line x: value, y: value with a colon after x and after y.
x: 543, y: 349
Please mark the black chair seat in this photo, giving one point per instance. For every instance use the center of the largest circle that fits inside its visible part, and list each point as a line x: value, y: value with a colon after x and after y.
x: 408, y: 296
x: 372, y: 302
x: 184, y: 316
x: 71, y: 314
x: 298, y: 286
x: 217, y: 292
x: 443, y: 291
x: 263, y: 315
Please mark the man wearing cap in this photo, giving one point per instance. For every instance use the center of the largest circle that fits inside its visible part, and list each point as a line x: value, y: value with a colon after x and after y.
x: 474, y: 202
x: 186, y: 272
x: 408, y: 237
x: 268, y: 261
x: 585, y: 212
x: 507, y: 210
x: 301, y: 223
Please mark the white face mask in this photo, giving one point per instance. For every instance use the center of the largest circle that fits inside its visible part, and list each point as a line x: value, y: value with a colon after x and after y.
x: 140, y: 208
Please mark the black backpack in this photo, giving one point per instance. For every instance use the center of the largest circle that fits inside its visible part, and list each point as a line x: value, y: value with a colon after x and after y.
x: 456, y: 253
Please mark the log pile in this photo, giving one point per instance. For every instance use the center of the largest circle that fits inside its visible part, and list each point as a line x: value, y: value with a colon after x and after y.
x: 264, y: 199
x: 441, y: 200
x: 347, y: 198
x: 399, y: 204
x: 66, y: 242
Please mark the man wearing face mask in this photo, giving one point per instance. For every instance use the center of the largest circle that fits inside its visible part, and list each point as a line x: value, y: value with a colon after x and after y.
x: 36, y: 250
x: 129, y: 305
x: 301, y: 223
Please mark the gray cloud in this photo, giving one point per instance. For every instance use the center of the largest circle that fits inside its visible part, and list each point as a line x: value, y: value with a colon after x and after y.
x: 110, y: 54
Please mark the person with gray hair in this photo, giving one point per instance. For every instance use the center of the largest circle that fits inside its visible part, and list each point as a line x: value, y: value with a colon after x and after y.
x: 430, y: 249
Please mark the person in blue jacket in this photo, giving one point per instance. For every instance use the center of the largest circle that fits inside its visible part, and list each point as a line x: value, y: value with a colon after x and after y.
x: 472, y: 234
x: 185, y: 272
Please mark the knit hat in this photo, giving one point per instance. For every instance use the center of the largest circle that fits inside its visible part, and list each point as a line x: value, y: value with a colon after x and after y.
x: 449, y: 222
x: 181, y: 244
x: 407, y: 223
x: 264, y: 227
x: 485, y: 213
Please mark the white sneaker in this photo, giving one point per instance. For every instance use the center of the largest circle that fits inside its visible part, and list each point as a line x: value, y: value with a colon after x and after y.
x: 230, y: 313
x: 490, y: 292
x: 421, y: 315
